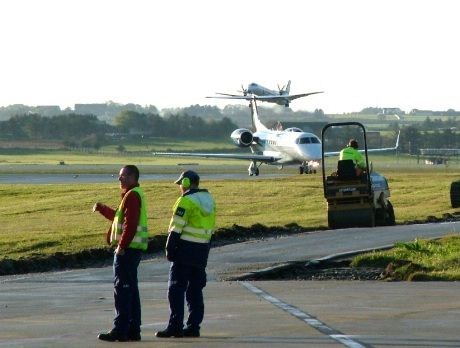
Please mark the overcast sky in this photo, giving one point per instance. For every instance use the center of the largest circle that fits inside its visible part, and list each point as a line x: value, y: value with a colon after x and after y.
x: 392, y: 53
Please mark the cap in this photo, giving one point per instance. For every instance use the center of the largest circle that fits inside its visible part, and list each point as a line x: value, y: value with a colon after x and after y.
x: 191, y: 175
x: 353, y: 143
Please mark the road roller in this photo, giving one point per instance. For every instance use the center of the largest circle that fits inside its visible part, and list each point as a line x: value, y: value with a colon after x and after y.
x: 354, y: 201
x: 455, y: 194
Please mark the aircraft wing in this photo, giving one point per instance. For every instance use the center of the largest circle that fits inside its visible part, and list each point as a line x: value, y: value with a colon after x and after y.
x: 250, y: 157
x: 232, y: 96
x: 272, y: 98
x: 226, y: 94
x: 383, y: 149
x: 284, y: 97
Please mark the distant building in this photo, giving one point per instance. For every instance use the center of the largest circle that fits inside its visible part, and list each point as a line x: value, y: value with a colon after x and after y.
x: 91, y: 109
x: 391, y: 111
x: 417, y: 112
x: 47, y: 110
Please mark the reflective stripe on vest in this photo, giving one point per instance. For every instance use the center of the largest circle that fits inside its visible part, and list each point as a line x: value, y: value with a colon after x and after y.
x: 198, y: 235
x: 140, y: 240
x: 177, y: 224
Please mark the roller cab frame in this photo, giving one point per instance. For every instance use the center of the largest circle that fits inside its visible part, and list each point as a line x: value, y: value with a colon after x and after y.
x: 355, y: 201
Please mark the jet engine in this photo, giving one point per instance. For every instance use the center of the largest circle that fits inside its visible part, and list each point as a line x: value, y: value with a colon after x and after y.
x: 242, y: 137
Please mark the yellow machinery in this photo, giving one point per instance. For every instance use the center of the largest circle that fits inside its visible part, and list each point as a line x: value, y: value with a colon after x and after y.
x: 354, y: 201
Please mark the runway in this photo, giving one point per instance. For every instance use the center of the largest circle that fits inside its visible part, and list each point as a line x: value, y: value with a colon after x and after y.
x: 69, y: 308
x: 106, y: 178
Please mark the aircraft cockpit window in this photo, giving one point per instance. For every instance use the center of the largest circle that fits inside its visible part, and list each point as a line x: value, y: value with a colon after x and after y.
x: 303, y: 140
x: 314, y: 140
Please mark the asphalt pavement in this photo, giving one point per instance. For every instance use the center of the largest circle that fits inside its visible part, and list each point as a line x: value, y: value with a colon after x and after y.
x: 69, y: 308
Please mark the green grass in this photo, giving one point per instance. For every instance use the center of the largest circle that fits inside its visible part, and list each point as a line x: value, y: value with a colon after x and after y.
x: 171, y: 144
x: 47, y: 161
x: 418, y: 260
x: 30, y: 160
x: 44, y: 219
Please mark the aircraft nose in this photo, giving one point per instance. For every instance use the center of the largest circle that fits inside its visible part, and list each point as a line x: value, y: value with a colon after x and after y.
x: 311, y: 152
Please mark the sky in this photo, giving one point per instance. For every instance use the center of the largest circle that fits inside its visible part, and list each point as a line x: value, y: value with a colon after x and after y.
x: 174, y: 53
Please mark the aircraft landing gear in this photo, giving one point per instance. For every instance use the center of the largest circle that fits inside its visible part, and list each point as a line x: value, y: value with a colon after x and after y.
x: 305, y: 168
x: 254, y: 169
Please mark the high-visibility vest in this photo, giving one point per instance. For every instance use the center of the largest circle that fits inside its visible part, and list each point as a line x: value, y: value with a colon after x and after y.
x: 350, y: 153
x: 140, y: 240
x: 194, y: 217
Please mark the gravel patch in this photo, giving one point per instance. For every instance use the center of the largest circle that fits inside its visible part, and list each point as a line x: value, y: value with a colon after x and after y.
x: 323, y: 270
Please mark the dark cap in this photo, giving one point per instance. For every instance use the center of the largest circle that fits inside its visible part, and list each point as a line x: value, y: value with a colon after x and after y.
x: 353, y: 143
x: 191, y: 175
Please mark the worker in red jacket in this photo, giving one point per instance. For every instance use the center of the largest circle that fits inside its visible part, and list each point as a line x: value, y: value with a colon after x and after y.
x: 128, y: 235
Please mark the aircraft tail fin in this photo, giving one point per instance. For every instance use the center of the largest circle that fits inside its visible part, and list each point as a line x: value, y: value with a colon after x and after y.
x: 288, y: 87
x: 256, y: 124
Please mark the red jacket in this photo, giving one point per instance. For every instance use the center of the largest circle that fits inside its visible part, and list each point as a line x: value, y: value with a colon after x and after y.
x: 131, y: 212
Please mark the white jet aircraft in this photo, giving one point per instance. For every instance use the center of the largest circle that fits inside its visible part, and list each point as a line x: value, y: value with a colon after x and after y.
x: 281, y: 97
x: 276, y: 147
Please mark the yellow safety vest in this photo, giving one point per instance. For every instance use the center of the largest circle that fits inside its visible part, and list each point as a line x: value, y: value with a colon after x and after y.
x: 194, y: 217
x: 140, y: 240
x: 350, y: 153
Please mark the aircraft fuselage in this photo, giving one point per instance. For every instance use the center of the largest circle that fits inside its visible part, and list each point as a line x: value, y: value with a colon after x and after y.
x: 289, y: 147
x: 256, y: 89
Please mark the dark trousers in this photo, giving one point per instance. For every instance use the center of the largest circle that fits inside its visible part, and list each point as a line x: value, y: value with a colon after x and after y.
x: 187, y: 281
x: 126, y: 293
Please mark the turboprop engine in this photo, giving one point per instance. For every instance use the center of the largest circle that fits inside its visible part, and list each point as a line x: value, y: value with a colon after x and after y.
x: 242, y: 137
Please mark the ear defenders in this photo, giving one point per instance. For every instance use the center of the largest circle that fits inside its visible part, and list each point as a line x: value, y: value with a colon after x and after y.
x: 185, y: 182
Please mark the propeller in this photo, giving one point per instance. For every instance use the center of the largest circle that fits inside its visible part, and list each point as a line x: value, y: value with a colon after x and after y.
x: 243, y: 90
x: 281, y: 90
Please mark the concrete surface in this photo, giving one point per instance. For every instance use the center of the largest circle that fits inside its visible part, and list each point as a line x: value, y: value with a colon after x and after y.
x: 69, y: 308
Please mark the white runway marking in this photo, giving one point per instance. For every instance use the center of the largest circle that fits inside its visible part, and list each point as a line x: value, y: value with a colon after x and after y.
x: 336, y: 335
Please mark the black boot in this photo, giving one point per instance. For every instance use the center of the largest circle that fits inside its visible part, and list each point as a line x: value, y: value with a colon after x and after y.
x: 191, y: 332
x: 112, y: 336
x: 134, y: 336
x: 169, y: 333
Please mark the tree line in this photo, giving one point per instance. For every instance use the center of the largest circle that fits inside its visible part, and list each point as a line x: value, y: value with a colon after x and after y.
x: 413, y: 139
x: 429, y: 134
x: 89, y: 131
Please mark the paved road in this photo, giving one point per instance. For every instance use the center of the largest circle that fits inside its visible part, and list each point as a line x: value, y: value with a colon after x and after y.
x: 102, y: 178
x: 69, y: 308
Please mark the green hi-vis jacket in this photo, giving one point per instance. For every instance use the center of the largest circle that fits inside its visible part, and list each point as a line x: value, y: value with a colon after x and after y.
x: 140, y: 240
x: 194, y: 216
x: 350, y: 153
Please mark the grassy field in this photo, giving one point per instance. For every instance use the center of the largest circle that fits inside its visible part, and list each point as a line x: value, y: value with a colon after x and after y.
x: 418, y: 260
x: 44, y: 219
x: 109, y: 163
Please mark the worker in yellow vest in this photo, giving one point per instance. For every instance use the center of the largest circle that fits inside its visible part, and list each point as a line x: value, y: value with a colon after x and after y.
x: 351, y: 153
x: 187, y: 248
x: 128, y: 235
